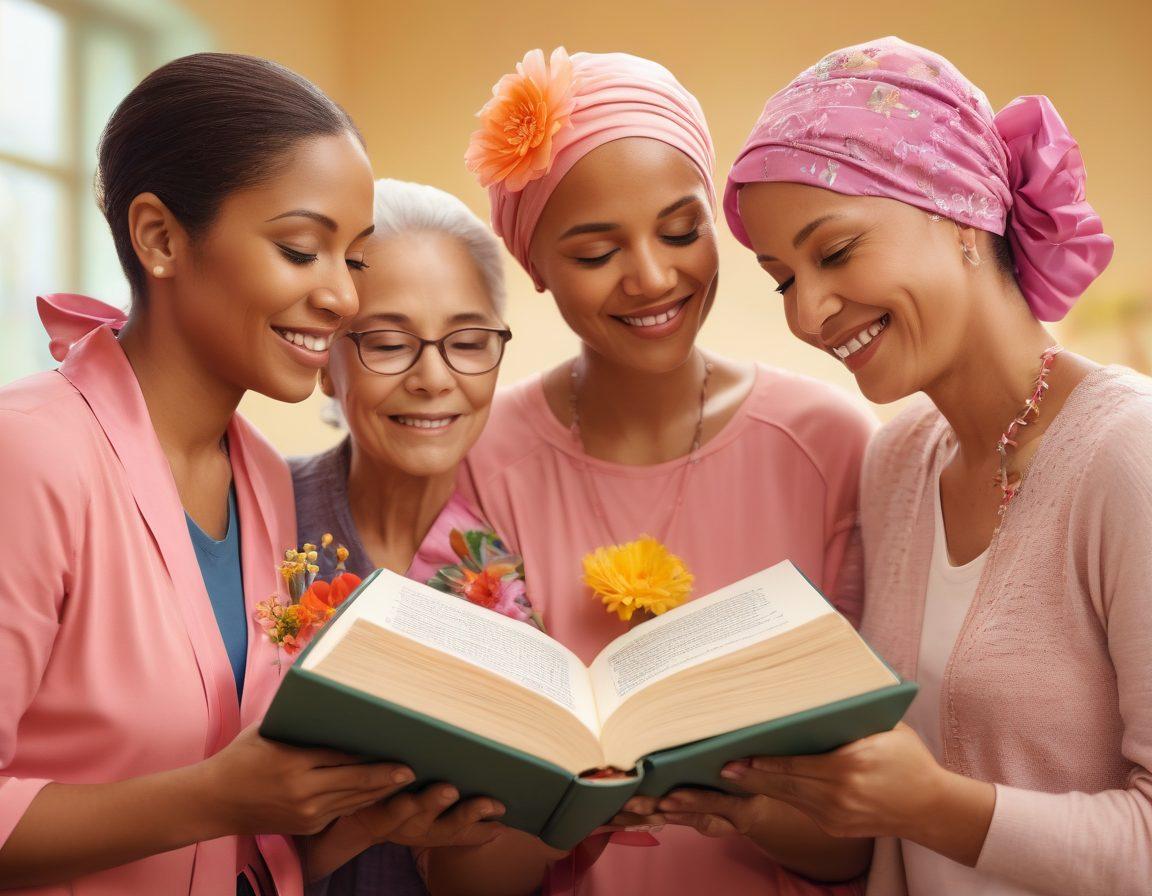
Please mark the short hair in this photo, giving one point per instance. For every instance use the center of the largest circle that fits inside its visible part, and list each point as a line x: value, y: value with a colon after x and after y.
x: 405, y: 207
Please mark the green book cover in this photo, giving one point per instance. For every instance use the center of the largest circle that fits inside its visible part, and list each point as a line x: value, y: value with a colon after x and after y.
x: 542, y: 798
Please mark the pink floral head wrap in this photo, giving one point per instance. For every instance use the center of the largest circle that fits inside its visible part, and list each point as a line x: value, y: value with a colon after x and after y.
x: 887, y: 118
x: 547, y: 115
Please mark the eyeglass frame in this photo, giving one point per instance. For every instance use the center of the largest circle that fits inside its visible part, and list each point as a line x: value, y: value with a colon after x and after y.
x: 505, y: 337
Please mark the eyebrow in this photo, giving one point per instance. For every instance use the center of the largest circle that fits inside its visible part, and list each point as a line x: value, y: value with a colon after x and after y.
x: 323, y: 220
x: 802, y: 234
x: 603, y: 227
x: 391, y: 317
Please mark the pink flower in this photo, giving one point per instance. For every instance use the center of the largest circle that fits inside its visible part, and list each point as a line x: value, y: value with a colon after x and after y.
x: 527, y: 109
x: 494, y: 591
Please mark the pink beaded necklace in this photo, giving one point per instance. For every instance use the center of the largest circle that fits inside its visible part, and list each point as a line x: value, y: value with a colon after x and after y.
x: 1010, y: 482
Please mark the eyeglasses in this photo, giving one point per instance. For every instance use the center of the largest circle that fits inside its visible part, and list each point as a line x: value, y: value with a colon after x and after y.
x: 470, y: 351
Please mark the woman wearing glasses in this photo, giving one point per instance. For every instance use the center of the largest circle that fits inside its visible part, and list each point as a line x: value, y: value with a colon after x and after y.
x: 413, y: 374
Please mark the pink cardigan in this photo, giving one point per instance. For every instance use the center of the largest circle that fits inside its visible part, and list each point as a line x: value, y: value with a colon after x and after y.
x: 1048, y: 692
x: 113, y: 666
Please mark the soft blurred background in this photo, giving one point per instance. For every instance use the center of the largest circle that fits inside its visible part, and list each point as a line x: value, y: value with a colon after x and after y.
x: 413, y: 73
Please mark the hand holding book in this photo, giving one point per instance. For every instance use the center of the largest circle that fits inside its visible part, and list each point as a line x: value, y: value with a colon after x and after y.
x: 885, y: 785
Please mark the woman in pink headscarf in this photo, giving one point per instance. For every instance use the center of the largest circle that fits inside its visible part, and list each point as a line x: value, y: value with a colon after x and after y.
x: 599, y: 170
x: 921, y: 240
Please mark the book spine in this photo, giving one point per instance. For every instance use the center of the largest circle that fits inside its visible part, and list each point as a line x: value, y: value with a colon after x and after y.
x: 587, y: 804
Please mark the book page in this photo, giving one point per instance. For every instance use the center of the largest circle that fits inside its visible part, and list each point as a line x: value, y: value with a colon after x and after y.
x: 512, y: 649
x: 759, y: 607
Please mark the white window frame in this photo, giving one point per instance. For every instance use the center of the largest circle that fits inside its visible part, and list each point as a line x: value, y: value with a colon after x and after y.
x: 157, y: 32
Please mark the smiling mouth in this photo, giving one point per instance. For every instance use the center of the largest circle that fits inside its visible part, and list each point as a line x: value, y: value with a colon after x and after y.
x: 860, y: 341
x: 654, y: 320
x: 305, y: 340
x: 424, y: 422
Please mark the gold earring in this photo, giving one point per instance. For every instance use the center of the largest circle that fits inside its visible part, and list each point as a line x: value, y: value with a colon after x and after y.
x: 971, y: 255
x: 158, y: 270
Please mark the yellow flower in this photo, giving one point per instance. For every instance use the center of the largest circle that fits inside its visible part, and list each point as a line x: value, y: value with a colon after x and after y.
x: 640, y: 575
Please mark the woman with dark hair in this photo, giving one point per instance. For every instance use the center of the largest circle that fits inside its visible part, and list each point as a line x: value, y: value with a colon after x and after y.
x: 147, y: 516
x: 1007, y: 513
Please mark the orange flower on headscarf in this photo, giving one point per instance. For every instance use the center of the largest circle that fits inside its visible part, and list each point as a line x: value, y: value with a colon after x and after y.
x: 527, y: 109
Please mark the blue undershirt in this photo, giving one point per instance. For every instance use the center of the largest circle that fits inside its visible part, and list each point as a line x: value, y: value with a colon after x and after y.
x: 220, y: 567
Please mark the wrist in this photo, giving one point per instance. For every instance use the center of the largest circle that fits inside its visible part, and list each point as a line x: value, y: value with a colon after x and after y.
x: 201, y: 803
x: 956, y: 819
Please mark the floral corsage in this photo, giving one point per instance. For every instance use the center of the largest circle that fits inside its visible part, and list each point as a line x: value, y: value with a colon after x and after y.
x: 487, y: 574
x: 311, y: 602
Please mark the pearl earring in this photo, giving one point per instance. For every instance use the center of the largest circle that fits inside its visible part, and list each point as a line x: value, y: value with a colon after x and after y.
x: 158, y: 270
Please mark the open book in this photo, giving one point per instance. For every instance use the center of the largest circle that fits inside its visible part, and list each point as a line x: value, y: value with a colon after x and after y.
x: 466, y: 695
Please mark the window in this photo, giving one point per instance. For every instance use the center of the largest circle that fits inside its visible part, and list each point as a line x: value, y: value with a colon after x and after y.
x: 65, y: 65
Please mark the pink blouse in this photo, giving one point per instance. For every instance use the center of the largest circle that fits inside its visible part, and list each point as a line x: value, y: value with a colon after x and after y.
x: 113, y: 664
x: 778, y: 482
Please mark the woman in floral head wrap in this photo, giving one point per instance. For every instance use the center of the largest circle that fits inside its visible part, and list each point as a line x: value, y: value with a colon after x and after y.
x: 921, y: 240
x: 599, y: 172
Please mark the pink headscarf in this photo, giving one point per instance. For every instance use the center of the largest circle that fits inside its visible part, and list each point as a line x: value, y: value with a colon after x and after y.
x: 891, y: 119
x: 547, y: 116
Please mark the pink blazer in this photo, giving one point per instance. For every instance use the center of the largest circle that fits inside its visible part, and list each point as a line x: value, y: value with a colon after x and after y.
x: 113, y: 665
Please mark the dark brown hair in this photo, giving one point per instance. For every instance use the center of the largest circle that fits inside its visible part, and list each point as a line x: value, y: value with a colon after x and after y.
x: 200, y: 128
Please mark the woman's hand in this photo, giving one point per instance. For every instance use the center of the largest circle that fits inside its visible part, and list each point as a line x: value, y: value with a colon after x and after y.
x: 429, y: 818
x: 258, y: 786
x: 886, y: 785
x: 424, y: 819
x: 785, y: 834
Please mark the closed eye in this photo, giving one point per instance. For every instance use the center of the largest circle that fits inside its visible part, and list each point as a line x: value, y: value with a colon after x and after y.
x: 302, y: 258
x: 597, y: 261
x: 786, y: 285
x: 683, y: 239
x: 296, y: 257
x: 839, y: 256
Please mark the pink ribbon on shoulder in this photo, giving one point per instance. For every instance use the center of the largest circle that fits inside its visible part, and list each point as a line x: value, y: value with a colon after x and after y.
x: 68, y: 318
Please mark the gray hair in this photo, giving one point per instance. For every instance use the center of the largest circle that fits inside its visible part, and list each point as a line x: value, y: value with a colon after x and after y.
x: 405, y: 207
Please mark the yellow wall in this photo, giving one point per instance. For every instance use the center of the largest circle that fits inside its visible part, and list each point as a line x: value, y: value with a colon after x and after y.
x: 412, y: 74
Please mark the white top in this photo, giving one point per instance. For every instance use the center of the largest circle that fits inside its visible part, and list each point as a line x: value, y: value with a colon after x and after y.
x: 946, y: 603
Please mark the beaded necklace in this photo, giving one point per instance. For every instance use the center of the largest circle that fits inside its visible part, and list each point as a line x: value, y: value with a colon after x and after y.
x: 1009, y: 481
